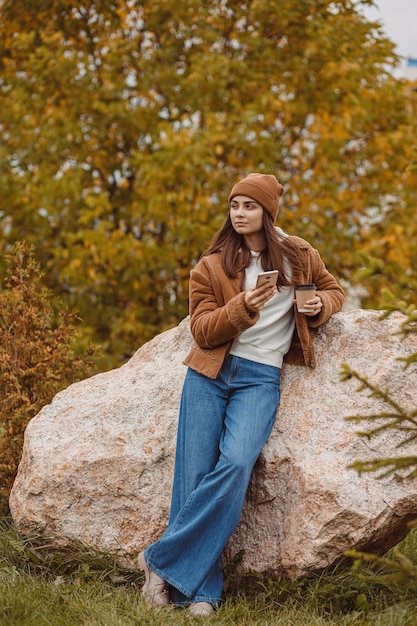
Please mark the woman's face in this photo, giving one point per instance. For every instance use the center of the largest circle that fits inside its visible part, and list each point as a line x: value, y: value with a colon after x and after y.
x: 246, y: 215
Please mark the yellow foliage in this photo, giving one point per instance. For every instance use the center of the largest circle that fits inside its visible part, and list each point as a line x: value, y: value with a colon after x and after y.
x: 125, y: 125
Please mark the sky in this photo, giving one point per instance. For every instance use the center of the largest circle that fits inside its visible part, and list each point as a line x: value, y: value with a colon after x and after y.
x: 399, y: 19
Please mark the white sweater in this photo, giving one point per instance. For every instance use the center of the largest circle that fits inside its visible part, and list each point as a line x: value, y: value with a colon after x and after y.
x: 270, y: 338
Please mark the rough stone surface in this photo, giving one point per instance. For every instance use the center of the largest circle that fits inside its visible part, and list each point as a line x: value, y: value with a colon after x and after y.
x: 97, y: 462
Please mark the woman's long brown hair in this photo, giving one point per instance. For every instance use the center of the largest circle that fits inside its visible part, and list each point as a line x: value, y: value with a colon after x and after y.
x: 278, y: 254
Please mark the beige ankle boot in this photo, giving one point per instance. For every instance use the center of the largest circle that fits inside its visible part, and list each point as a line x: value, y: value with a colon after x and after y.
x: 155, y: 589
x: 200, y: 609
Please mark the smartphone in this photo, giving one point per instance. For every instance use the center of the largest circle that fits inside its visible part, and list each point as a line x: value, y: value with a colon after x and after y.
x: 267, y: 277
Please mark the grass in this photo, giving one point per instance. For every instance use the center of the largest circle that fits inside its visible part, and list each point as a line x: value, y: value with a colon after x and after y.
x: 80, y: 587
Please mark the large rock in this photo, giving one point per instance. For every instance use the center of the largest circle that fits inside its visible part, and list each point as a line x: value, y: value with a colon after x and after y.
x: 97, y: 462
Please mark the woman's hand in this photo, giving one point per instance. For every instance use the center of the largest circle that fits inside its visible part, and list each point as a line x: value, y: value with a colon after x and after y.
x: 315, y: 304
x: 256, y: 297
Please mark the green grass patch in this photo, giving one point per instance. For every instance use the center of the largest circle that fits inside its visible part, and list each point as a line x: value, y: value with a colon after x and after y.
x: 81, y: 587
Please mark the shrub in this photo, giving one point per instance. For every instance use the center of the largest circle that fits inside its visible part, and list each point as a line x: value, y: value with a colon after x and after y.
x: 36, y: 358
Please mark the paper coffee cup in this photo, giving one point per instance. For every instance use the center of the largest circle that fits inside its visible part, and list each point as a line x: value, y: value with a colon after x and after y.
x: 302, y: 294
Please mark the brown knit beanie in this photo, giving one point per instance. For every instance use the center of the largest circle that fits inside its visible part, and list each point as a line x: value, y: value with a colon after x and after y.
x: 264, y: 188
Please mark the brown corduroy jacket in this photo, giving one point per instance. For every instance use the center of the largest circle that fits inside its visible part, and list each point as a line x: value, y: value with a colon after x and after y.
x: 218, y: 313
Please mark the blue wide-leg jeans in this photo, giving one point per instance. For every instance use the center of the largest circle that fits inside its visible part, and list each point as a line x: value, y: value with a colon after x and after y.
x: 223, y: 426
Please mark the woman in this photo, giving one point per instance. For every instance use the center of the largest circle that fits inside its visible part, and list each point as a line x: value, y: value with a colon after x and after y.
x: 232, y: 387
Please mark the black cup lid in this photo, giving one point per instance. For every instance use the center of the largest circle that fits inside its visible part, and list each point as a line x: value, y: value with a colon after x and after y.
x: 306, y: 286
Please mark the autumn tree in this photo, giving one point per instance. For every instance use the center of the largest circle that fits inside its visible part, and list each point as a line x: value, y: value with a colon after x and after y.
x: 125, y: 123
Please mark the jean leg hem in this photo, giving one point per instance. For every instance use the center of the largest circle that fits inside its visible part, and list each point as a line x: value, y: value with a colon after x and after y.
x: 213, y: 601
x: 169, y: 579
